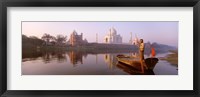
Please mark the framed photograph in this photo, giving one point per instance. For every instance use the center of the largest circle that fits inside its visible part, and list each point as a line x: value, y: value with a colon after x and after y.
x: 90, y: 48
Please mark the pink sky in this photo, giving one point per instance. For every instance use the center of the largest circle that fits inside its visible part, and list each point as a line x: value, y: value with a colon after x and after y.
x: 160, y: 32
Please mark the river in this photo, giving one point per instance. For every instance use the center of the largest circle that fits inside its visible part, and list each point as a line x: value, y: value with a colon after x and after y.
x: 79, y: 63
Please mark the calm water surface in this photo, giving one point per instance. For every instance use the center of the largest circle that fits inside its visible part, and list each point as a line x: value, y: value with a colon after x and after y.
x: 78, y: 63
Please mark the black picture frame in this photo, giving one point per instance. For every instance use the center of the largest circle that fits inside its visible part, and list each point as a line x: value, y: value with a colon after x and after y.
x: 100, y: 3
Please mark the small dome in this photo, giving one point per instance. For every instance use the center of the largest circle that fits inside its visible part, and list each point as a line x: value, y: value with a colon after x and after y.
x: 74, y: 32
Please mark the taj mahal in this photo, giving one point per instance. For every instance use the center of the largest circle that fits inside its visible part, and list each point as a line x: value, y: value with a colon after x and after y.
x: 112, y: 37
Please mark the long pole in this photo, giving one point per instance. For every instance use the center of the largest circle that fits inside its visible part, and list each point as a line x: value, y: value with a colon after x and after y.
x: 131, y: 40
x: 97, y: 37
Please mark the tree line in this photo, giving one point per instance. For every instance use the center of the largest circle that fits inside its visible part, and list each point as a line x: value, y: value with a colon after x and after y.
x: 32, y: 43
x: 45, y: 40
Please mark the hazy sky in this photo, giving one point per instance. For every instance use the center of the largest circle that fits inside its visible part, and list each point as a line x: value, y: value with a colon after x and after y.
x: 160, y: 32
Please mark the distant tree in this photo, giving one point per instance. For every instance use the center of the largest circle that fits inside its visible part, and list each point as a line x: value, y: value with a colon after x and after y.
x: 25, y: 40
x: 30, y: 43
x: 60, y: 39
x: 24, y: 36
x: 47, y: 37
x: 35, y: 40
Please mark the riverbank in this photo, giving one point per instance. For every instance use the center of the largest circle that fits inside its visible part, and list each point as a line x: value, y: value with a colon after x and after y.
x: 30, y: 51
x: 172, y: 58
x: 90, y: 47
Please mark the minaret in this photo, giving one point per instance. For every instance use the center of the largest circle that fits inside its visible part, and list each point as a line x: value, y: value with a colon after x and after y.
x: 96, y: 58
x: 97, y: 37
x: 110, y: 37
x: 136, y: 40
x: 131, y: 39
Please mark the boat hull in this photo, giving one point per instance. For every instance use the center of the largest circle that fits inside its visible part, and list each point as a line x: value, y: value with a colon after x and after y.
x: 136, y: 62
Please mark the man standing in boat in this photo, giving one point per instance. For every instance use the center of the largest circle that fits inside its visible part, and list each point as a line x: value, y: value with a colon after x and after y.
x: 141, y: 46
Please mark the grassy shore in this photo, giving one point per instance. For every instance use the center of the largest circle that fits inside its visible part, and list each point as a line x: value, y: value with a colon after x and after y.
x: 29, y: 51
x: 85, y: 48
x: 172, y: 57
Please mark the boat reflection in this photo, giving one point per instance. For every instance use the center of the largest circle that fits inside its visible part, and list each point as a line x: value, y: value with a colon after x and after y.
x: 135, y: 71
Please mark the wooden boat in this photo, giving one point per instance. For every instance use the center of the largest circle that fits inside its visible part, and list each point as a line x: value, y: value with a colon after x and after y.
x: 149, y: 63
